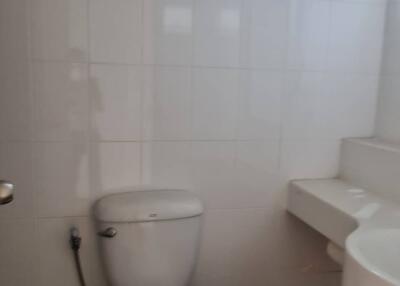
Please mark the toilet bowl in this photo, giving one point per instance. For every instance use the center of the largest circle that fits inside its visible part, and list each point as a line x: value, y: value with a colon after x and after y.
x: 149, y: 238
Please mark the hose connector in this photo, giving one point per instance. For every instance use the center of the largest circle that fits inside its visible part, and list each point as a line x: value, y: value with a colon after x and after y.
x: 75, y: 242
x: 75, y: 239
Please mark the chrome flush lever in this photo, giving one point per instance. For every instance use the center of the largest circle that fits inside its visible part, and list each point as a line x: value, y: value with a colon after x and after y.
x: 108, y: 232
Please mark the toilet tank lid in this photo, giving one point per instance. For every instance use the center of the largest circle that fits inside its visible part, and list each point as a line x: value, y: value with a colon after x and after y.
x: 148, y: 205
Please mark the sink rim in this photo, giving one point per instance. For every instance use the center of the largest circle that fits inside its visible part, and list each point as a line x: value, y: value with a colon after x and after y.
x: 354, y: 251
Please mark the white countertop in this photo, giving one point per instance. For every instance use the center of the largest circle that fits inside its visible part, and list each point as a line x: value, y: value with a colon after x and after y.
x: 344, y: 213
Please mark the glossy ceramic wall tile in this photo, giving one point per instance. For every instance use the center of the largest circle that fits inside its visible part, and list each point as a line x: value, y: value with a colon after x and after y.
x: 18, y: 264
x: 51, y: 245
x: 115, y: 102
x: 309, y: 21
x: 362, y: 164
x: 215, y: 103
x: 387, y: 126
x: 356, y: 36
x: 61, y: 184
x: 60, y: 101
x: 217, y: 27
x: 115, y: 29
x: 168, y: 103
x: 16, y: 165
x: 14, y: 74
x: 168, y: 32
x: 388, y: 116
x: 59, y: 30
x: 114, y: 166
x: 227, y: 98
x: 265, y: 34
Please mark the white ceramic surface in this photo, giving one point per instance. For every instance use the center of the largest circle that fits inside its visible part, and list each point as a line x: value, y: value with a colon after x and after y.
x: 308, y: 42
x: 115, y: 100
x: 60, y: 101
x: 148, y: 205
x: 352, y: 22
x: 375, y: 254
x: 356, y: 219
x: 168, y: 32
x: 372, y: 164
x: 116, y: 30
x: 215, y: 103
x: 387, y: 118
x: 167, y: 103
x: 217, y: 30
x: 157, y: 235
x: 59, y: 30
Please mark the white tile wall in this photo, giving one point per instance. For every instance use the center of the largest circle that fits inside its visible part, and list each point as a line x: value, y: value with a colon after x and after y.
x: 215, y: 103
x: 217, y: 29
x: 302, y: 159
x: 391, y: 59
x: 265, y: 39
x: 168, y: 164
x: 114, y: 166
x: 308, y: 38
x: 168, y: 32
x: 257, y: 236
x: 51, y: 245
x: 387, y: 119
x: 168, y: 103
x: 60, y: 101
x: 356, y: 36
x: 15, y: 165
x: 14, y: 74
x: 329, y: 105
x: 259, y: 111
x: 247, y: 238
x: 115, y: 29
x: 13, y: 32
x: 115, y: 102
x: 388, y: 114
x: 228, y: 98
x: 371, y: 164
x: 59, y: 30
x: 15, y: 96
x: 60, y: 179
x: 18, y: 265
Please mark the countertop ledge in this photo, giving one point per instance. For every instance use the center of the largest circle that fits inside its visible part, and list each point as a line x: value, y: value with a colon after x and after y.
x: 341, y: 211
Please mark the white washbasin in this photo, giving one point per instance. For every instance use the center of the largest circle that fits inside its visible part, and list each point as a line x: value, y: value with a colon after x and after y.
x: 373, y: 257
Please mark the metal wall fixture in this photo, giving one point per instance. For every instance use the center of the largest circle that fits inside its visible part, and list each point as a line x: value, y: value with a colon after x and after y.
x: 6, y: 192
x: 108, y: 232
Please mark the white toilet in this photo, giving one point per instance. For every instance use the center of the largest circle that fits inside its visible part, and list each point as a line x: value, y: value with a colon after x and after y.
x: 149, y: 238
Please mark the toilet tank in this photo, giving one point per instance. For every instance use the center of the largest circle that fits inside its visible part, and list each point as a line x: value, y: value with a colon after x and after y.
x: 149, y: 238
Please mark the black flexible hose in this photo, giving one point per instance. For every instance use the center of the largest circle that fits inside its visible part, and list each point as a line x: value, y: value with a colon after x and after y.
x: 75, y: 241
x: 79, y: 268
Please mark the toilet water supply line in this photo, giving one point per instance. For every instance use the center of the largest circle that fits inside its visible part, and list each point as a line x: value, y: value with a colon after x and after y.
x: 75, y: 242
